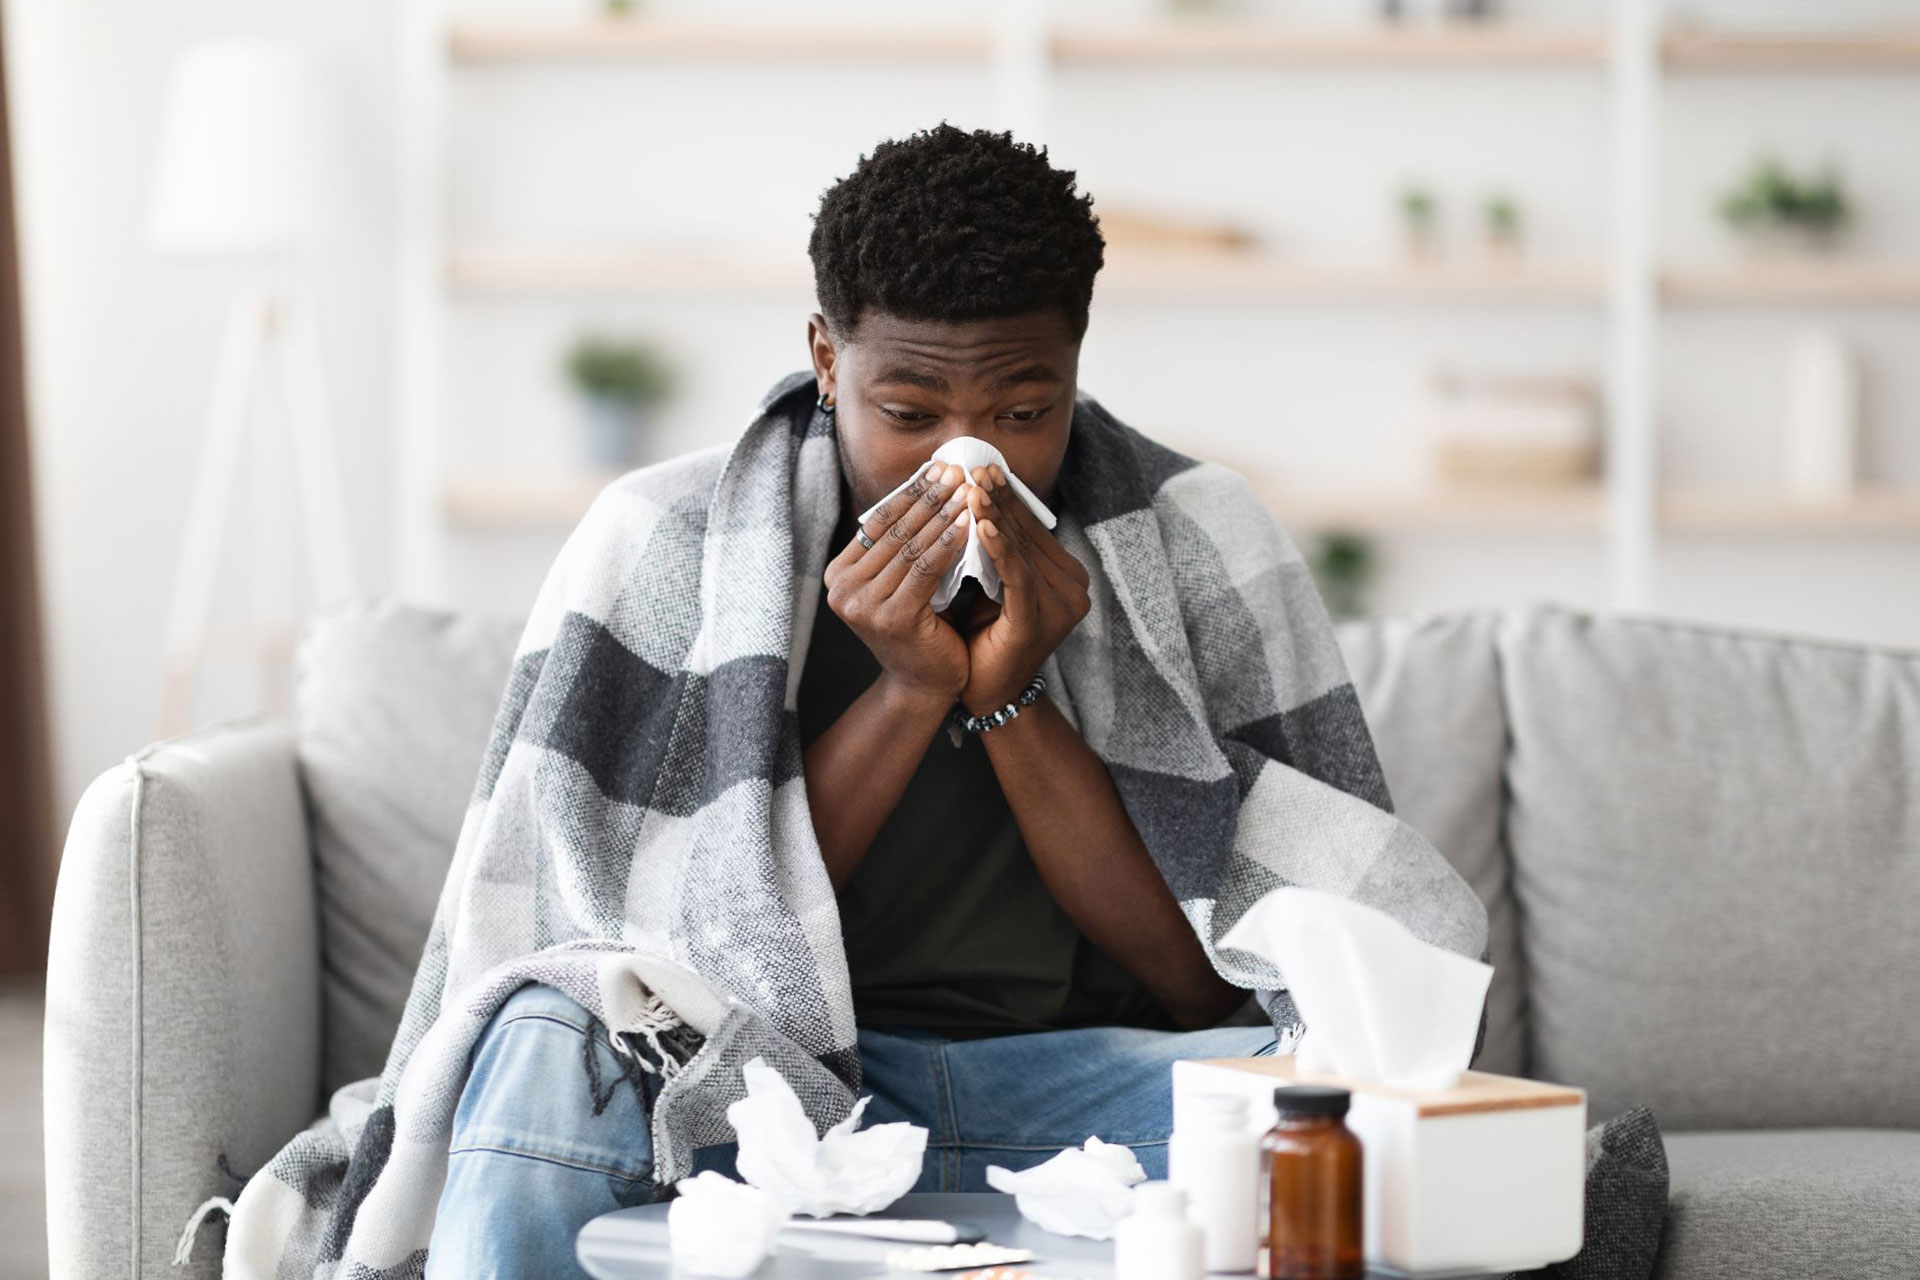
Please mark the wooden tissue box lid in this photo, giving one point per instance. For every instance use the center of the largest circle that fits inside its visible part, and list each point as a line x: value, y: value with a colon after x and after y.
x: 1474, y: 1091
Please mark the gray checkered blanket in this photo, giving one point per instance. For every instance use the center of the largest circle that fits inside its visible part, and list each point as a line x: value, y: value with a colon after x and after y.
x: 639, y: 834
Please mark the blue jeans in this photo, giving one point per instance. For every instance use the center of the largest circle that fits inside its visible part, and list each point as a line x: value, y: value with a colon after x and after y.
x: 543, y: 1142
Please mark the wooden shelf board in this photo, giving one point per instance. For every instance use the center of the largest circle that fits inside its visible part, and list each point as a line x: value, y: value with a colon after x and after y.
x: 624, y: 270
x: 617, y: 270
x: 518, y: 504
x: 1867, y: 511
x: 497, y: 41
x: 1216, y: 41
x: 555, y: 503
x: 1895, y: 49
x: 1193, y: 40
x: 1574, y: 509
x: 1837, y: 280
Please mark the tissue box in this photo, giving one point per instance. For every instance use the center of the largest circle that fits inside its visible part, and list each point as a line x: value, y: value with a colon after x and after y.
x: 1487, y: 1175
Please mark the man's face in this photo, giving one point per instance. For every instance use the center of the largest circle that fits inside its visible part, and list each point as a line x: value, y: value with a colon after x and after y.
x: 902, y: 388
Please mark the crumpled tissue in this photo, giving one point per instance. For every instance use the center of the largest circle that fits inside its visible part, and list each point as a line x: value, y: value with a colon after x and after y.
x: 719, y: 1227
x: 1379, y: 1003
x: 974, y: 562
x: 844, y: 1172
x: 1083, y: 1191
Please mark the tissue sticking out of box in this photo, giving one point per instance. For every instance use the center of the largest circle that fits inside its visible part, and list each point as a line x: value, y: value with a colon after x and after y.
x: 844, y: 1172
x: 718, y: 1227
x: 1379, y: 1004
x: 1083, y: 1191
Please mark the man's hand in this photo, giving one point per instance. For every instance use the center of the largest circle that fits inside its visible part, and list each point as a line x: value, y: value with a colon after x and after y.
x: 883, y: 592
x: 1043, y: 594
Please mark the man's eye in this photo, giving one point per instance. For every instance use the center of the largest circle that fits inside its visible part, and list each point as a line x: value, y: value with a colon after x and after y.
x: 1027, y: 415
x: 905, y: 415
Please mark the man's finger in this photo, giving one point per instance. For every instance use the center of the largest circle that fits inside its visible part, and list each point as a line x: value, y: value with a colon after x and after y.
x: 921, y: 560
x: 899, y: 517
x: 1035, y: 534
x: 1018, y: 582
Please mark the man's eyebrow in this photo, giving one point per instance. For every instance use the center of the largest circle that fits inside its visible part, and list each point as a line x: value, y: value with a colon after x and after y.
x: 914, y: 378
x: 934, y: 382
x: 1032, y: 373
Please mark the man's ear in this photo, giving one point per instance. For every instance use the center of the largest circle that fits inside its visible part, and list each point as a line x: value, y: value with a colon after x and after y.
x: 821, y: 347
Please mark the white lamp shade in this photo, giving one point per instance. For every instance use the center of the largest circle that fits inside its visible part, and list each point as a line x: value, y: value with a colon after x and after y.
x: 257, y: 153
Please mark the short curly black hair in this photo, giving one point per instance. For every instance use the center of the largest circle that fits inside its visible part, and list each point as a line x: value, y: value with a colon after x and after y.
x: 951, y: 224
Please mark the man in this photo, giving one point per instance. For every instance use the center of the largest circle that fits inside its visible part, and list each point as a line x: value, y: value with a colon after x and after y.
x: 1021, y: 972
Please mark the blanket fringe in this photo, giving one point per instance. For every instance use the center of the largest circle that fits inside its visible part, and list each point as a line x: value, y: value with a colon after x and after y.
x: 655, y: 1020
x: 183, y: 1252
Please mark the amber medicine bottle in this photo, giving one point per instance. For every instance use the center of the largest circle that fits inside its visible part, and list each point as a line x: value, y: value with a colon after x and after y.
x: 1310, y: 1210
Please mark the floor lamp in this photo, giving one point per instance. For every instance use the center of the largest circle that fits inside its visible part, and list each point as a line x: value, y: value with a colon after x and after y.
x: 256, y: 164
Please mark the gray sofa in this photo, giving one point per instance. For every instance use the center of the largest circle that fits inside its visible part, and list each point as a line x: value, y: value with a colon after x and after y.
x: 1700, y: 852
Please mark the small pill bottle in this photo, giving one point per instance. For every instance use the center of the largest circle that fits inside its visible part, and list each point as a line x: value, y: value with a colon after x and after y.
x: 1310, y: 1188
x: 1214, y: 1157
x: 1156, y: 1241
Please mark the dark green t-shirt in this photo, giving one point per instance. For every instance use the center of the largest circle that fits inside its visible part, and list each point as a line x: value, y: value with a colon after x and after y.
x: 948, y: 926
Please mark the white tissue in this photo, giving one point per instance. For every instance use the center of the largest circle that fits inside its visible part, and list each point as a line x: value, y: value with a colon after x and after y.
x: 844, y: 1172
x: 974, y: 562
x: 717, y: 1227
x: 1083, y: 1191
x: 1379, y: 1003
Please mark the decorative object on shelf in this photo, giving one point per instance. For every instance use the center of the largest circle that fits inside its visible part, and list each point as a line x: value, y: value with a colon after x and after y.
x: 1202, y: 8
x: 1343, y: 567
x: 1500, y: 220
x: 1823, y: 418
x: 1420, y: 223
x: 620, y: 383
x: 1473, y: 10
x: 620, y: 8
x: 260, y: 162
x: 1129, y: 230
x: 1510, y: 430
x: 1775, y: 210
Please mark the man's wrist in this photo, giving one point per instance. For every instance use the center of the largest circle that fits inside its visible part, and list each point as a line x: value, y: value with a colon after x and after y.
x: 917, y: 702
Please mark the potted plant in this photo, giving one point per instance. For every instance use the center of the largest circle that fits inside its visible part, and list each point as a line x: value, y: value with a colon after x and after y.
x: 1343, y: 565
x: 621, y: 383
x: 1775, y: 210
x: 1419, y: 222
x: 1501, y: 219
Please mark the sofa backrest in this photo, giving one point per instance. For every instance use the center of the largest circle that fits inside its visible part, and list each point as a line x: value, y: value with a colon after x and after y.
x: 1716, y: 850
x: 394, y: 706
x: 1430, y: 688
x: 1699, y: 850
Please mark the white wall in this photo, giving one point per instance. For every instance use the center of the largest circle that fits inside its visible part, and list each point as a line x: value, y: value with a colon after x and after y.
x: 121, y: 345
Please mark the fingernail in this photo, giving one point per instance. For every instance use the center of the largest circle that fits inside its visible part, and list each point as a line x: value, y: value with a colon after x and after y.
x: 988, y: 527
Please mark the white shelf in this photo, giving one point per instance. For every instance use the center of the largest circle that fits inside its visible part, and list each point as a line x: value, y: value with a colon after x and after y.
x: 641, y: 271
x: 1895, y: 49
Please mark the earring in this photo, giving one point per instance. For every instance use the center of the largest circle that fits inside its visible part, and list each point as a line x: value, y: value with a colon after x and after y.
x: 822, y: 405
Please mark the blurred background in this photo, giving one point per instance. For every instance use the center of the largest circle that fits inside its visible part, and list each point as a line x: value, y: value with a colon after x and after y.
x: 1615, y: 304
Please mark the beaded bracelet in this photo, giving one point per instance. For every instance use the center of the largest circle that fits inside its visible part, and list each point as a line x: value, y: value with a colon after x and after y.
x: 980, y: 724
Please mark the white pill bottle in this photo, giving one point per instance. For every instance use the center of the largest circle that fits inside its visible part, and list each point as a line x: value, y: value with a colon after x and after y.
x: 1156, y: 1241
x: 1215, y: 1158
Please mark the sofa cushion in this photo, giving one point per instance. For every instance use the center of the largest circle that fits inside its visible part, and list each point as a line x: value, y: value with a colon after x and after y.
x: 1716, y: 849
x: 394, y: 708
x: 1791, y: 1203
x: 1430, y: 688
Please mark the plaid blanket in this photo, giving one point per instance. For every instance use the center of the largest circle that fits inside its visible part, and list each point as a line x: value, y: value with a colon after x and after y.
x: 639, y: 834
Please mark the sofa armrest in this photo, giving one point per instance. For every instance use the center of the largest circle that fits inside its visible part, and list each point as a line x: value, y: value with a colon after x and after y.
x: 183, y: 996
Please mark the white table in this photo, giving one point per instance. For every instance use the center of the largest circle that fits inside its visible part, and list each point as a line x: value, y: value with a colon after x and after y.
x: 631, y: 1244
